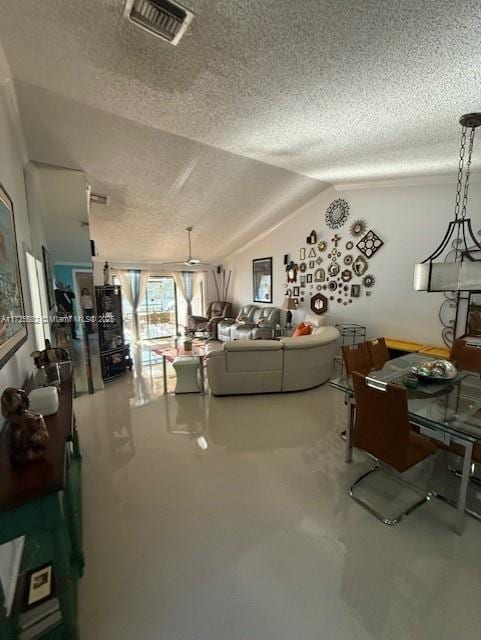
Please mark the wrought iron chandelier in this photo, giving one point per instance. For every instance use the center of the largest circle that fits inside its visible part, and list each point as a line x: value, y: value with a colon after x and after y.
x: 453, y: 265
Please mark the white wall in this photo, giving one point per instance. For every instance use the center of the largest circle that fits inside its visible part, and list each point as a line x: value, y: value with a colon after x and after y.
x: 12, y: 163
x: 13, y: 160
x: 411, y: 220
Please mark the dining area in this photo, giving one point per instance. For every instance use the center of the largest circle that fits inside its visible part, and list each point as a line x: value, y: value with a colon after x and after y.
x: 418, y: 420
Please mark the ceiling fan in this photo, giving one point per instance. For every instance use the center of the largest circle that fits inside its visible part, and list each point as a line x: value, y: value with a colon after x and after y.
x: 190, y: 261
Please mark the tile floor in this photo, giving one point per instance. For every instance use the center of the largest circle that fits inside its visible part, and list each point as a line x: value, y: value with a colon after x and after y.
x: 228, y: 519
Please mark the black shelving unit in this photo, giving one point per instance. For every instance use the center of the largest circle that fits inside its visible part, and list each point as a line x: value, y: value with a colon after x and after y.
x: 114, y: 351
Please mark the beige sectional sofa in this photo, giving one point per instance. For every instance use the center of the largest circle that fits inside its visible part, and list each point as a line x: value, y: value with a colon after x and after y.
x: 266, y: 366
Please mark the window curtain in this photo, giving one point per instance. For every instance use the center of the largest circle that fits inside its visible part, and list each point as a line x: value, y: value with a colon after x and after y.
x: 187, y: 283
x: 134, y: 285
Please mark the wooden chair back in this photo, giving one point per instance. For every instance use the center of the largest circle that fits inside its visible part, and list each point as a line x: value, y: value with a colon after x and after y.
x: 356, y: 357
x: 466, y: 356
x: 378, y: 351
x: 382, y: 422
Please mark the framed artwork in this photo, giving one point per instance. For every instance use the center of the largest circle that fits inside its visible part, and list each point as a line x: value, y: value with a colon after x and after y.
x: 302, y: 253
x: 309, y: 278
x: 296, y: 292
x: 48, y: 272
x: 39, y: 586
x: 262, y: 279
x: 12, y: 333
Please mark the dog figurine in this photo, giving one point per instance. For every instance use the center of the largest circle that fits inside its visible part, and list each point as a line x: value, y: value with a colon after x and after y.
x: 28, y: 434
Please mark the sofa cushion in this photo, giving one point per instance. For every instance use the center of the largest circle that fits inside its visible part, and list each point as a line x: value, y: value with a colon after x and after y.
x: 302, y: 330
x: 314, y: 320
x: 323, y: 335
x: 253, y: 345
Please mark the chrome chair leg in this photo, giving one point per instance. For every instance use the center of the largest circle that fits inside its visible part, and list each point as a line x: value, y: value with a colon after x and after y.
x: 472, y: 478
x: 375, y: 513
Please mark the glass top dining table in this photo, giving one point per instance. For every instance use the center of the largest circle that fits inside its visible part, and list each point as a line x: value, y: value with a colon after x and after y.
x: 447, y: 411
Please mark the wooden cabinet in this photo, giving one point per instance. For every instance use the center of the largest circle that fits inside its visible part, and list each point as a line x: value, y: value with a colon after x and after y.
x: 42, y: 501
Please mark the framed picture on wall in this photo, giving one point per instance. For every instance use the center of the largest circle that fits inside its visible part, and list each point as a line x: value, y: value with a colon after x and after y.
x: 48, y: 271
x: 13, y: 332
x: 262, y: 279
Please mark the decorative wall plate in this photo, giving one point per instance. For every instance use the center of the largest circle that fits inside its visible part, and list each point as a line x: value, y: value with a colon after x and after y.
x: 303, y: 266
x: 319, y: 304
x: 358, y: 228
x: 332, y: 286
x: 349, y: 245
x: 337, y: 213
x: 333, y: 269
x: 319, y: 260
x: 319, y: 287
x: 322, y: 245
x: 369, y: 244
x: 348, y: 260
x: 360, y: 265
x: 346, y: 275
x: 368, y: 281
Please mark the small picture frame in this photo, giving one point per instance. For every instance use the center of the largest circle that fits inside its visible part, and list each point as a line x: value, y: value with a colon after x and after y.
x: 295, y: 292
x: 355, y: 290
x: 302, y: 281
x: 39, y: 585
x: 312, y: 264
x: 302, y: 253
x: 309, y: 278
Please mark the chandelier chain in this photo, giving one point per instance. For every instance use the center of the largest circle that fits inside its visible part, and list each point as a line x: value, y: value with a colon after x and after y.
x: 468, y: 172
x: 460, y: 172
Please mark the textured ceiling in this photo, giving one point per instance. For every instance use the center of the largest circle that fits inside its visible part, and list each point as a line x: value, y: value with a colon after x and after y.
x: 334, y: 90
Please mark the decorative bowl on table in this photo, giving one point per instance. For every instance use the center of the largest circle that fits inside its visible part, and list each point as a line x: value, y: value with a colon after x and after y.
x: 435, y: 370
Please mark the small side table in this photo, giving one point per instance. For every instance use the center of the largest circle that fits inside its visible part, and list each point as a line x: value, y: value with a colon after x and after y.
x: 179, y: 352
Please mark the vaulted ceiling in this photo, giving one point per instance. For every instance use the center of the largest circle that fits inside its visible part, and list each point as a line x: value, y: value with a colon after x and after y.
x: 259, y: 106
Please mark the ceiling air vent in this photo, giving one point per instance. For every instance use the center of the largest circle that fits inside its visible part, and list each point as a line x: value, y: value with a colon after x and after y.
x: 97, y: 198
x: 164, y: 18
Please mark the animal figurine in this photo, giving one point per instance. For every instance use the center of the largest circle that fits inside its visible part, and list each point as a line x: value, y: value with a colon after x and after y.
x: 28, y: 435
x: 106, y: 271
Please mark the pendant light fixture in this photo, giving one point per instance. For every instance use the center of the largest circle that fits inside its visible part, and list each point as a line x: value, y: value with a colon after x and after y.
x: 453, y: 266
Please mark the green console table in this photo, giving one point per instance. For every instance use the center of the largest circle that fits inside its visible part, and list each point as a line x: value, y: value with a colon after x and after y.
x: 42, y: 501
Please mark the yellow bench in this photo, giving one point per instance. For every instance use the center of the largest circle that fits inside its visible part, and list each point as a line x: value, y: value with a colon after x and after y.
x: 416, y: 347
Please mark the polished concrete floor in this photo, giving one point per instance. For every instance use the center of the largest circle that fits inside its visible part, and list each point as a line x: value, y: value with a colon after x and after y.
x: 229, y: 519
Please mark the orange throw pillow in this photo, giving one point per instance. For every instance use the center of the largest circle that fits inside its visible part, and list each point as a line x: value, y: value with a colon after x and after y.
x: 302, y: 330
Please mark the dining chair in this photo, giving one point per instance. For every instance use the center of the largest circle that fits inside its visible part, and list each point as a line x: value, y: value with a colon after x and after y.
x: 356, y: 357
x: 378, y: 351
x: 382, y: 429
x: 466, y: 355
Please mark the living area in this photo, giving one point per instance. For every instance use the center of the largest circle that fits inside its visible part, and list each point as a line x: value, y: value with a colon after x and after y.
x: 251, y: 235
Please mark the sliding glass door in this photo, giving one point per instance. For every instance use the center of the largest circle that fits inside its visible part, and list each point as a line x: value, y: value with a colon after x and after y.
x: 158, y: 312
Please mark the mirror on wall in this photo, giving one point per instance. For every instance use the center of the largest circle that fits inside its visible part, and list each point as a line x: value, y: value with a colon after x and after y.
x: 473, y: 322
x: 262, y: 279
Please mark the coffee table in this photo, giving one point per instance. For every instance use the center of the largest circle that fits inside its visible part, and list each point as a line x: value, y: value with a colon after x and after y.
x: 179, y: 352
